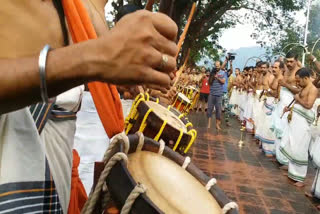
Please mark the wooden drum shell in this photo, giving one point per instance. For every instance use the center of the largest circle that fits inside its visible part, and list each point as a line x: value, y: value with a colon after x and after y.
x: 120, y: 182
x: 154, y: 123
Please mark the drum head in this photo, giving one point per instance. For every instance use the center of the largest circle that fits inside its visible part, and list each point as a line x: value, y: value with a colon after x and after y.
x: 184, y: 98
x: 171, y: 188
x: 165, y: 114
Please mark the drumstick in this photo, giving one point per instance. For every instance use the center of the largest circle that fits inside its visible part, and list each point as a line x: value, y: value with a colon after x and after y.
x: 261, y: 94
x: 288, y: 107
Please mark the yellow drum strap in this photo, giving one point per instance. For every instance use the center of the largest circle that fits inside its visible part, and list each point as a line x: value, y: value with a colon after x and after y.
x: 148, y: 96
x: 178, y: 140
x: 133, y: 114
x: 174, y: 103
x: 193, y: 134
x: 157, y: 100
x: 169, y: 107
x: 189, y: 124
x: 157, y: 137
x: 144, y: 124
x: 181, y: 116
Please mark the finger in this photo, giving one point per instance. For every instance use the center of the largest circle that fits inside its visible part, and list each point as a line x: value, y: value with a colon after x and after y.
x: 165, y: 26
x: 157, y: 87
x: 172, y: 76
x: 163, y: 62
x: 150, y: 76
x: 164, y: 45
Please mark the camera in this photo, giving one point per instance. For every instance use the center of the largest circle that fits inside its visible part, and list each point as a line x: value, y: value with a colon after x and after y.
x: 232, y: 56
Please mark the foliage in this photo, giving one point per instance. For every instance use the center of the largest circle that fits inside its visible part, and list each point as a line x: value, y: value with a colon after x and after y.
x: 295, y: 34
x: 270, y: 17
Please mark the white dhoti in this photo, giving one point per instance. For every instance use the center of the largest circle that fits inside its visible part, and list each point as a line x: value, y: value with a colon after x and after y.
x: 248, y: 112
x: 234, y: 101
x: 258, y: 114
x: 267, y: 137
x: 314, y: 152
x: 242, y: 104
x: 91, y: 140
x: 279, y: 125
x: 296, y: 141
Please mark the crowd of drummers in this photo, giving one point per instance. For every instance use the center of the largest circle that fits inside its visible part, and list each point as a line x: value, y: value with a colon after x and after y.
x: 278, y: 102
x: 86, y: 112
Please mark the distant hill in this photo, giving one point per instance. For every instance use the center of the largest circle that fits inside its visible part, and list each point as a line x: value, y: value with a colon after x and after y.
x: 243, y: 54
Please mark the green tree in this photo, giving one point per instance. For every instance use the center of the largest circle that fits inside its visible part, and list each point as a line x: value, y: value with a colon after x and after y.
x: 270, y: 18
x: 295, y: 34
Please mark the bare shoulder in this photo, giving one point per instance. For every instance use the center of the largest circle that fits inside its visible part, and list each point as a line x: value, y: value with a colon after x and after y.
x: 314, y: 90
x: 96, y: 11
x: 99, y: 3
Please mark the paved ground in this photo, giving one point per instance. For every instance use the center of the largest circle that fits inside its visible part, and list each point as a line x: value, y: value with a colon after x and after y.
x: 252, y: 180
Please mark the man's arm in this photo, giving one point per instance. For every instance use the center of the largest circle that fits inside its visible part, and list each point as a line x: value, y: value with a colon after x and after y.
x: 224, y: 64
x: 315, y: 62
x: 221, y: 80
x: 103, y: 59
x: 308, y: 103
x: 293, y: 90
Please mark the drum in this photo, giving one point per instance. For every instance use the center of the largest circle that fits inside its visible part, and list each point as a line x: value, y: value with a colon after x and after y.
x: 157, y: 122
x: 144, y: 176
x: 182, y: 103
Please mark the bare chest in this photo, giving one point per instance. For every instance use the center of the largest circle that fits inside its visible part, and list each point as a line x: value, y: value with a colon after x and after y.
x: 27, y: 26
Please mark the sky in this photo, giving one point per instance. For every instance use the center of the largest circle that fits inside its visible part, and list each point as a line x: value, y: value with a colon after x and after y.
x: 239, y: 36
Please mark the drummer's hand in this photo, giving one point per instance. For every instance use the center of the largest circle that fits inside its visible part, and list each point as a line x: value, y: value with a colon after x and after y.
x: 172, y: 93
x: 286, y: 109
x: 132, y: 52
x: 282, y: 83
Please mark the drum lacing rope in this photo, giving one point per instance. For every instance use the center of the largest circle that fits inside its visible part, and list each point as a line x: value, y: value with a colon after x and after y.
x: 134, y: 112
x: 93, y: 198
x: 157, y: 137
x: 211, y: 183
x: 135, y: 193
x: 144, y: 124
x: 90, y: 205
x: 193, y: 134
x: 229, y: 206
x: 181, y: 116
x: 186, y: 162
x: 189, y: 124
x: 174, y: 103
x: 140, y: 96
x: 161, y: 147
x: 178, y: 140
x: 148, y: 96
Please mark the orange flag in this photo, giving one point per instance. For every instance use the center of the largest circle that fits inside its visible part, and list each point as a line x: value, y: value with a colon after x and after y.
x: 105, y: 97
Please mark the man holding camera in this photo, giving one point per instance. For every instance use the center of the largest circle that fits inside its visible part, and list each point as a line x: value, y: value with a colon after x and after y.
x: 216, y: 81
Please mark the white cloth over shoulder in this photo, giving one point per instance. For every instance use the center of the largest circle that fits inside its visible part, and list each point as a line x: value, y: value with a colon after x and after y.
x: 71, y: 99
x: 91, y: 140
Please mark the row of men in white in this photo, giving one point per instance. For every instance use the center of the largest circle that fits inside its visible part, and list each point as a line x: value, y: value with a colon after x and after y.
x: 279, y: 106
